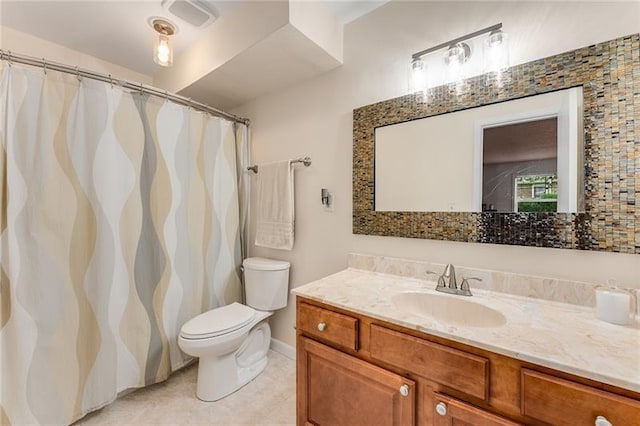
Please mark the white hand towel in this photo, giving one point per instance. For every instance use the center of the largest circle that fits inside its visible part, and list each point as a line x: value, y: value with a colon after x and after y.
x: 275, y: 206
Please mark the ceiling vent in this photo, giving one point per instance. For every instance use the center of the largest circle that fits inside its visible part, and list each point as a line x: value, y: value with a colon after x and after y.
x: 195, y: 12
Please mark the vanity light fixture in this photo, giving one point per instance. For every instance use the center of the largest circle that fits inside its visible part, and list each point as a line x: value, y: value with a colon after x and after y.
x: 163, y: 48
x: 457, y: 54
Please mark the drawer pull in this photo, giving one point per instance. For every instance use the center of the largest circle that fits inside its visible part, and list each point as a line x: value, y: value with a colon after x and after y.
x: 441, y: 408
x: 321, y: 326
x: 404, y: 390
x: 602, y: 421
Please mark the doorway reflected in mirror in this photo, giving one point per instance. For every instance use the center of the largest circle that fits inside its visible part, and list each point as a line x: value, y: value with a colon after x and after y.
x: 519, y: 167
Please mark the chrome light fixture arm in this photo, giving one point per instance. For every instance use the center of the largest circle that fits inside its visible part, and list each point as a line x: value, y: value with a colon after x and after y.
x: 455, y: 41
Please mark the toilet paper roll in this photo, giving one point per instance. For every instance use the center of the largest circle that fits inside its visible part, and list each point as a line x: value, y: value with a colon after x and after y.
x: 613, y: 306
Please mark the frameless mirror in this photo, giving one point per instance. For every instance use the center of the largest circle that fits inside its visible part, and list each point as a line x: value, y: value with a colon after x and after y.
x: 522, y: 155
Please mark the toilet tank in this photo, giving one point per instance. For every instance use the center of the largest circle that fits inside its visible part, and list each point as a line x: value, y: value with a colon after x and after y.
x: 266, y: 283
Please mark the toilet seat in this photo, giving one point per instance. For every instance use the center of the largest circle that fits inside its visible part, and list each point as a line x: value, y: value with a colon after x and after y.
x: 218, y: 321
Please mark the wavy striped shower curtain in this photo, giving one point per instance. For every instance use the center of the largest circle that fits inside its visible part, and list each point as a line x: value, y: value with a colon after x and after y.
x: 120, y: 220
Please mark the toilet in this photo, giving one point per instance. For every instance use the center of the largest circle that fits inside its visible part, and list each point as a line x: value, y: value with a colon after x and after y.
x: 232, y: 341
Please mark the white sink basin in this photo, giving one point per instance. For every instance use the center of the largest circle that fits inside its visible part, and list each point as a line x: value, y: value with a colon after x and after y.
x: 455, y: 310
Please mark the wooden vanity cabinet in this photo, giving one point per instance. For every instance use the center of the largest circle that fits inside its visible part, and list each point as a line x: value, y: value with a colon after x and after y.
x: 355, y: 370
x: 341, y: 390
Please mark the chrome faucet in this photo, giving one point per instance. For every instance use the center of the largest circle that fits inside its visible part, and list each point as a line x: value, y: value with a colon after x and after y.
x: 447, y: 282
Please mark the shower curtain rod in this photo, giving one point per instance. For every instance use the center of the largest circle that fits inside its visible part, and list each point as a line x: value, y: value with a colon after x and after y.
x: 107, y: 78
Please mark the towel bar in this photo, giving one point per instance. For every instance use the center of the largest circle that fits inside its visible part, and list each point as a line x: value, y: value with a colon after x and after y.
x: 306, y: 161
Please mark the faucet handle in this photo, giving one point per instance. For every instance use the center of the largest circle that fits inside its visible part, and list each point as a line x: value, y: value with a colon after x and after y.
x: 465, y: 281
x: 464, y: 287
x: 441, y: 282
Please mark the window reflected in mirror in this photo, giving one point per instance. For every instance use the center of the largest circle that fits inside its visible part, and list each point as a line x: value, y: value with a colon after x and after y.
x: 536, y: 193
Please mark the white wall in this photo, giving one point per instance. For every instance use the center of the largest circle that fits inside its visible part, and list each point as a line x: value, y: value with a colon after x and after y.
x: 26, y: 44
x: 315, y: 119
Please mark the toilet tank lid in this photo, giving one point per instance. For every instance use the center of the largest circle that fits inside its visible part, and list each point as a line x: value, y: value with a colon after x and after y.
x: 263, y: 264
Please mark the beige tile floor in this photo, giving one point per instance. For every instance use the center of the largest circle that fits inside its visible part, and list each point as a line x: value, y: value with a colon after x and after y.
x: 268, y: 400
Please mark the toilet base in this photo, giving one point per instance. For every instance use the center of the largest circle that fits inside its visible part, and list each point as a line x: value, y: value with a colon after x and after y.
x: 221, y: 375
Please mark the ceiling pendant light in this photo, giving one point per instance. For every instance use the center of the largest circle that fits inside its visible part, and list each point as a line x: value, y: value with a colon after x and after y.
x: 496, y: 52
x: 163, y: 48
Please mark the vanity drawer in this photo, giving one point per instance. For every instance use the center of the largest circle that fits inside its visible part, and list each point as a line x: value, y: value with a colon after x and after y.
x: 329, y: 326
x: 456, y: 369
x: 449, y: 411
x: 562, y: 402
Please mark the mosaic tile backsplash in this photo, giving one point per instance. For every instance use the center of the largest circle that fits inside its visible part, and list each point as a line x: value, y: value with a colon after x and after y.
x: 609, y: 73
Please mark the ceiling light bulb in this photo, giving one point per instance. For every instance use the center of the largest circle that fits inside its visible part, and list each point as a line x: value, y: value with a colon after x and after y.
x: 496, y: 52
x: 163, y: 50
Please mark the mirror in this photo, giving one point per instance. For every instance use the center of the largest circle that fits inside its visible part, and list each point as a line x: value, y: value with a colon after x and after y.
x: 609, y: 220
x: 522, y: 155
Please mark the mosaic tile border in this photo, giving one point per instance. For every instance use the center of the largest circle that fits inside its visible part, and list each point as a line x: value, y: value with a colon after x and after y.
x: 609, y: 73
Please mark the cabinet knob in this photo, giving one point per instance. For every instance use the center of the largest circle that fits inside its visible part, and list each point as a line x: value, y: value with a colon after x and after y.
x: 321, y: 326
x: 602, y: 421
x: 441, y: 408
x: 404, y: 390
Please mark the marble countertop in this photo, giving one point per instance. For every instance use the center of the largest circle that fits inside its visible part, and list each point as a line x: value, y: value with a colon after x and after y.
x: 561, y: 336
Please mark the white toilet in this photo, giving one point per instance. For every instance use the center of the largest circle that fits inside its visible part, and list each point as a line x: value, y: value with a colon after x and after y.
x: 232, y: 341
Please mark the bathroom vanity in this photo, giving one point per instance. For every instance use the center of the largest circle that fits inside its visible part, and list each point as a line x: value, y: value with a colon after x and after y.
x: 366, y: 356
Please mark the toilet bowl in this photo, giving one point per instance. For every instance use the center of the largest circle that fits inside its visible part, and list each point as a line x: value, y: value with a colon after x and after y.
x: 232, y: 344
x: 232, y: 341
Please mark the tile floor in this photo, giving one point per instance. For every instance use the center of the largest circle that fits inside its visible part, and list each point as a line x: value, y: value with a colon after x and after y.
x: 268, y: 400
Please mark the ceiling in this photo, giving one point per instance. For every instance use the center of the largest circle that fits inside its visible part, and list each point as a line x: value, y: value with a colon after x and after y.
x: 347, y: 11
x: 528, y: 141
x: 117, y: 31
x: 286, y: 58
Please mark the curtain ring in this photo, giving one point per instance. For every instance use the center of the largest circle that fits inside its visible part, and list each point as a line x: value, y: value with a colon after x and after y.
x: 166, y: 96
x: 9, y: 58
x: 189, y: 103
x: 111, y: 81
x: 141, y: 90
x: 44, y: 66
x: 78, y: 74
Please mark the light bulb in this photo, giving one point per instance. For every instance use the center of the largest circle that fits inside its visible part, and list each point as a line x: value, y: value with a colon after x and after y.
x: 496, y: 52
x: 418, y: 75
x: 162, y: 52
x: 454, y: 59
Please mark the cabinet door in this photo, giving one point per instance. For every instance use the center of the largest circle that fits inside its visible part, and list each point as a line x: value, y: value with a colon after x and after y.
x: 452, y: 412
x: 337, y: 389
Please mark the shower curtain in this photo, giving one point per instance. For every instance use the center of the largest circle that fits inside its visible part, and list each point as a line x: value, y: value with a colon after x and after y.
x: 120, y: 219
